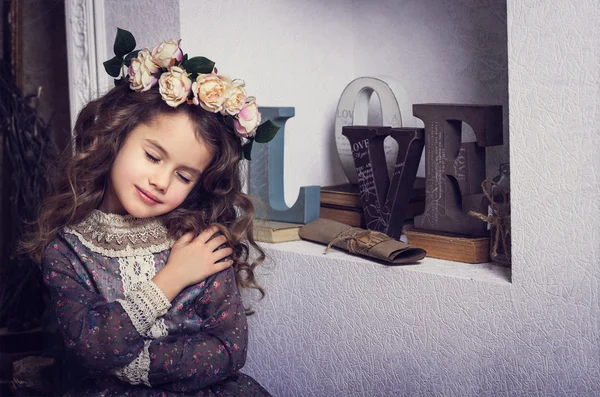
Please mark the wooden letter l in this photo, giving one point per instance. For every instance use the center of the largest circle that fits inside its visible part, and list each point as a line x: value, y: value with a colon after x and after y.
x: 266, y: 176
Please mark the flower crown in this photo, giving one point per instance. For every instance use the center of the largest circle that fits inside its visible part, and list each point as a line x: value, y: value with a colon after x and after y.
x: 194, y: 81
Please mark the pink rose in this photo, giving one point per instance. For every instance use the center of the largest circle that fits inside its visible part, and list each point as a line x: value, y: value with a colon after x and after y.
x: 209, y: 91
x: 166, y: 51
x: 141, y: 72
x: 248, y: 119
x: 174, y: 86
x: 235, y: 98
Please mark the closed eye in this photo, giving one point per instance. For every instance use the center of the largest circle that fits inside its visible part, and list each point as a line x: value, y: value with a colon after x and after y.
x: 152, y: 158
x: 184, y: 179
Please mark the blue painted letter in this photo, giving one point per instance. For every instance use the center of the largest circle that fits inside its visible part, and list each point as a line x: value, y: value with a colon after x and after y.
x: 266, y: 176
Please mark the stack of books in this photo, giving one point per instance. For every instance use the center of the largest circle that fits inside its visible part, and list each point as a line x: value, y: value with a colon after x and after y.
x: 342, y: 203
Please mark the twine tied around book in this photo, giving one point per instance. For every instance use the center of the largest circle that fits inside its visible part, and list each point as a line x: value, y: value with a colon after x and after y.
x: 499, y: 218
x: 359, y: 241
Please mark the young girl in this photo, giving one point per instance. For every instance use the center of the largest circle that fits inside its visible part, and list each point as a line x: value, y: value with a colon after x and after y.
x: 145, y: 240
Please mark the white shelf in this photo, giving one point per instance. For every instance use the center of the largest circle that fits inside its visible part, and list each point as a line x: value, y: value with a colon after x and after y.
x: 485, y: 272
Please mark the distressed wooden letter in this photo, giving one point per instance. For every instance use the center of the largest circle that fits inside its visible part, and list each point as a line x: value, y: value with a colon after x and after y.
x: 266, y: 176
x: 454, y: 171
x: 384, y: 202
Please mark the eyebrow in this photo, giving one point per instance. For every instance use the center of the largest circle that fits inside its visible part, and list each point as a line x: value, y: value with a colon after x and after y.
x: 166, y: 154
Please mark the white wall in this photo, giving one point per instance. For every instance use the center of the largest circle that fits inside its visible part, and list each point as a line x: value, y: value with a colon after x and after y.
x: 338, y: 326
x: 150, y: 21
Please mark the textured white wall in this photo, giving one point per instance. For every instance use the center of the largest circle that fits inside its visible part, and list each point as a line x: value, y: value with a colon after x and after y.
x: 150, y: 22
x: 346, y: 327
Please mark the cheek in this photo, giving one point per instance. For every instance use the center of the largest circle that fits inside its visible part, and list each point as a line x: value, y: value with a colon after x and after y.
x: 127, y: 167
x: 177, y: 195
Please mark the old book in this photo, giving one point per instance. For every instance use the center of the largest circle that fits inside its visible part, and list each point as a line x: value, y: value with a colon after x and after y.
x: 349, y: 216
x: 354, y: 216
x: 348, y: 195
x: 275, y: 232
x: 449, y: 246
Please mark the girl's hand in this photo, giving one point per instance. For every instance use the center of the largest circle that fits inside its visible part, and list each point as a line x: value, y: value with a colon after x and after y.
x: 193, y: 260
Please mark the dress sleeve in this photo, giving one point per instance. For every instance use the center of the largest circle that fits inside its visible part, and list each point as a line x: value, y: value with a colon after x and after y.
x: 187, y: 362
x: 101, y: 334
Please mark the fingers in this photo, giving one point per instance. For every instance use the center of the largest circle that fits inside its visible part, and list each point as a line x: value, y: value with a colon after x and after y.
x: 220, y: 266
x: 207, y: 234
x: 222, y: 253
x: 216, y: 242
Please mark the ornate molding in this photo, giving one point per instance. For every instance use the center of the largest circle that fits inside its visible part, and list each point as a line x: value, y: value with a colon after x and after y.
x: 86, y: 48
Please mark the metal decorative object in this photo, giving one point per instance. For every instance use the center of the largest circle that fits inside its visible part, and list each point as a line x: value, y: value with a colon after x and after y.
x: 266, y: 177
x: 454, y: 170
x: 385, y: 202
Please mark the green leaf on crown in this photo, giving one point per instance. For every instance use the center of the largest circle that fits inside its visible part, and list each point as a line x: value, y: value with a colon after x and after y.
x: 113, y: 66
x: 197, y: 65
x: 247, y: 149
x: 124, y: 42
x: 266, y: 131
x: 130, y: 56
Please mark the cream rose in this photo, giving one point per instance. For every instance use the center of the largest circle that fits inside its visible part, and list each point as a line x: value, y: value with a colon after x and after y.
x: 166, y: 51
x: 248, y: 119
x: 235, y: 98
x: 174, y: 86
x: 209, y: 91
x: 141, y: 72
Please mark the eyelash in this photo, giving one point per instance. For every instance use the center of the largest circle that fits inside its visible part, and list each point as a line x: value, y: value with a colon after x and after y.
x: 184, y: 179
x: 152, y: 158
x: 155, y: 160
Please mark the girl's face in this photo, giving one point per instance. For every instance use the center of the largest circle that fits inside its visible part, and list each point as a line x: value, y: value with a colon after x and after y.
x: 156, y: 168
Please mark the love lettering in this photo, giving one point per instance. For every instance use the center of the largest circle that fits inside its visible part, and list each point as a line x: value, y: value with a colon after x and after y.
x: 453, y: 170
x: 385, y: 202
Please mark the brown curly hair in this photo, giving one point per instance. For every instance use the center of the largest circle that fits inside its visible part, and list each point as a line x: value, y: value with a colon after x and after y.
x: 101, y: 129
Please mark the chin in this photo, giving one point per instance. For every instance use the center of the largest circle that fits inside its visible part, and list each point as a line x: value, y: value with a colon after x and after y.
x: 141, y: 213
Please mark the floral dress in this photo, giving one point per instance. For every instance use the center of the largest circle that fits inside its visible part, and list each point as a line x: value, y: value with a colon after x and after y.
x: 124, y: 331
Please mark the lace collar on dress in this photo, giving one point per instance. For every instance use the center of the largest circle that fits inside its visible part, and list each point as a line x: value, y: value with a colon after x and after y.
x: 121, y: 235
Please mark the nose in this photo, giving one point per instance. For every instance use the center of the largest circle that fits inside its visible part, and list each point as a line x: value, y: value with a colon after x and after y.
x: 160, y: 180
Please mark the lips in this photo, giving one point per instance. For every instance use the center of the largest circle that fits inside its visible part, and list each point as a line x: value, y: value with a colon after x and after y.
x: 147, y: 197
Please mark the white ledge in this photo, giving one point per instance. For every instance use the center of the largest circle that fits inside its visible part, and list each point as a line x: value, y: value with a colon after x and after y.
x: 486, y: 272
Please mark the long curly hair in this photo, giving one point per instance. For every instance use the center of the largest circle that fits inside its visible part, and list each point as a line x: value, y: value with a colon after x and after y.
x: 103, y: 125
